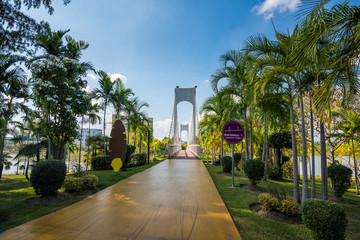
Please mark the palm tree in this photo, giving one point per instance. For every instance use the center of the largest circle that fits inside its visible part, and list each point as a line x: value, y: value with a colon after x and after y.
x: 14, y: 87
x: 93, y: 118
x: 120, y: 97
x: 327, y: 42
x: 350, y: 127
x: 138, y: 115
x: 59, y: 88
x: 234, y: 70
x: 216, y: 105
x: 105, y: 92
x: 274, y: 58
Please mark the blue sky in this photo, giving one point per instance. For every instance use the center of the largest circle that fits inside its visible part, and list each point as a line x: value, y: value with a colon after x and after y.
x: 156, y: 45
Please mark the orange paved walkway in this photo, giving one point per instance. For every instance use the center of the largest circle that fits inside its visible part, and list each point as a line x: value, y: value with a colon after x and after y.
x: 175, y: 199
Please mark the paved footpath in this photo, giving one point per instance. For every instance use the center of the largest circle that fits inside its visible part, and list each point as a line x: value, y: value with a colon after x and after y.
x: 176, y: 199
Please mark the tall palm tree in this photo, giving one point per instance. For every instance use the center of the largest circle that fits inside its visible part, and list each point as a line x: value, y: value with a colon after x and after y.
x: 14, y: 88
x: 120, y: 97
x: 105, y: 93
x: 217, y: 105
x: 274, y: 58
x: 328, y: 36
x: 58, y: 87
x: 350, y: 127
x: 138, y: 115
x: 93, y: 118
x: 234, y: 71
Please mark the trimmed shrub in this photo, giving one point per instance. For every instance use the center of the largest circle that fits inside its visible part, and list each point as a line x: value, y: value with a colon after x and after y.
x: 326, y: 219
x: 254, y: 170
x: 101, y: 163
x: 226, y: 163
x: 48, y: 176
x: 269, y: 202
x: 130, y: 149
x: 78, y: 184
x: 140, y: 159
x: 275, y: 172
x: 287, y: 169
x: 237, y: 158
x: 340, y: 176
x: 289, y: 206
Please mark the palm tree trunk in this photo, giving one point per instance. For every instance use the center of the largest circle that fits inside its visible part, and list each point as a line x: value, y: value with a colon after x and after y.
x: 355, y: 167
x: 140, y: 142
x: 246, y: 138
x: 324, y: 187
x: 2, y: 147
x: 313, y: 192
x: 88, y: 150
x: 251, y: 140
x: 296, y: 190
x: 304, y: 157
x: 266, y: 145
x: 104, y: 130
x: 135, y: 138
x: 27, y: 169
x: 222, y: 146
x: 81, y: 136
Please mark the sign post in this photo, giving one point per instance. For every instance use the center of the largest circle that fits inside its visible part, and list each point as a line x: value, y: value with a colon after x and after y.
x: 233, y: 133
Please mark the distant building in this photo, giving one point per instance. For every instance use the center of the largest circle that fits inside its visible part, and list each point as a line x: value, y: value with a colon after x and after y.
x: 85, y: 134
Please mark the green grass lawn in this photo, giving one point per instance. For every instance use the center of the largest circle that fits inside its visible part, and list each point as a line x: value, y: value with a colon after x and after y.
x: 14, y: 190
x: 251, y: 225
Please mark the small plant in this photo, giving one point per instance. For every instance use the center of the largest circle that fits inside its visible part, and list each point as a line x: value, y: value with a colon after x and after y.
x: 237, y: 158
x: 340, y: 176
x: 254, y: 170
x: 140, y: 159
x: 287, y: 168
x: 275, y: 172
x: 226, y: 163
x: 326, y: 219
x: 130, y: 149
x: 289, y: 206
x: 82, y: 183
x: 278, y: 191
x: 48, y: 176
x: 101, y: 163
x: 269, y: 202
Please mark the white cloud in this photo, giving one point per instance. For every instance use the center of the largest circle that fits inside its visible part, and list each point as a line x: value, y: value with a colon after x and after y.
x: 268, y: 7
x: 206, y: 81
x: 114, y: 76
x: 162, y: 128
x: 92, y: 76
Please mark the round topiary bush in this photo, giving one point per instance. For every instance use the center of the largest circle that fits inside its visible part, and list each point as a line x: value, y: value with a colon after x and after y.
x: 237, y: 158
x: 48, y: 176
x: 226, y: 163
x: 254, y: 170
x: 326, y: 219
x: 340, y: 176
x: 275, y: 172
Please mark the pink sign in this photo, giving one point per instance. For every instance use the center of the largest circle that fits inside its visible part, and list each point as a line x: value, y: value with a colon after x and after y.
x: 233, y: 132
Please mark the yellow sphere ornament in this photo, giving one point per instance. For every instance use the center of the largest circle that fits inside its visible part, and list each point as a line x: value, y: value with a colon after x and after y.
x: 116, y: 164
